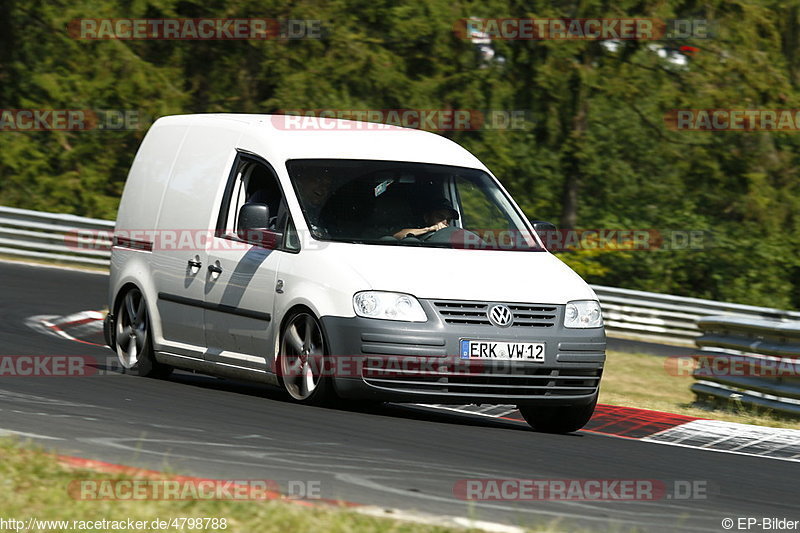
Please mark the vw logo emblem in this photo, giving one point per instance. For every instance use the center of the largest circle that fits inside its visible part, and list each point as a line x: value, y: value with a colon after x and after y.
x: 500, y: 315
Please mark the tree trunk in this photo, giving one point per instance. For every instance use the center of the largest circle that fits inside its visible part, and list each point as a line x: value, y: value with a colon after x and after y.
x: 6, y: 50
x: 573, y: 154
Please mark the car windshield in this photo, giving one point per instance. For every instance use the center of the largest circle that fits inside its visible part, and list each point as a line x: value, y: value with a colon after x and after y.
x: 407, y: 204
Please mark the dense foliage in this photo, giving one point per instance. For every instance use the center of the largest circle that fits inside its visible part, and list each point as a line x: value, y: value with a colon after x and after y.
x: 597, y: 154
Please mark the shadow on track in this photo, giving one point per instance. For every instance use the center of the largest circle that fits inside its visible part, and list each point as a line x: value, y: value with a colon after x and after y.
x: 412, y: 412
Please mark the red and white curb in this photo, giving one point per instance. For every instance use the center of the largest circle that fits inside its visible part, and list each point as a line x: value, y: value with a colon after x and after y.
x: 85, y: 327
x: 369, y: 510
x: 668, y: 428
x: 730, y: 437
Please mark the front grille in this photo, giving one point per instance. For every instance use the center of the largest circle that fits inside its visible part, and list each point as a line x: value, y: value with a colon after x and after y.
x: 475, y: 313
x: 488, y: 379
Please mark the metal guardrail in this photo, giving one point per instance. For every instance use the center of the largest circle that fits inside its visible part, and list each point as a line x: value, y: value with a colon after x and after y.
x: 52, y: 236
x: 664, y: 318
x: 755, y: 362
x: 646, y: 316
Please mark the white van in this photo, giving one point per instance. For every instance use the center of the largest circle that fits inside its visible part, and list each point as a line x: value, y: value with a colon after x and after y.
x: 339, y: 259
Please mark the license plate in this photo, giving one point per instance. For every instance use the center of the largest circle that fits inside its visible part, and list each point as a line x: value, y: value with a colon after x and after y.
x: 517, y: 351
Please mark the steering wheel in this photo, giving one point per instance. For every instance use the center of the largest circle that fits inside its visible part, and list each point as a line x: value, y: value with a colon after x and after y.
x: 426, y: 236
x: 443, y: 235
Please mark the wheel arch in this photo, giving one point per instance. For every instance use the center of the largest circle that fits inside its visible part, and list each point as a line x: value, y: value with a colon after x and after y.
x: 293, y: 310
x: 116, y: 302
x: 123, y: 290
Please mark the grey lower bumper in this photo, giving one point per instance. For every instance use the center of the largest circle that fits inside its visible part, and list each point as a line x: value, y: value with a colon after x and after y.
x: 420, y: 362
x: 109, y: 325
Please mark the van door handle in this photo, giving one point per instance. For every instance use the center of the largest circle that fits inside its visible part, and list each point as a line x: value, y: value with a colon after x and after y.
x: 214, y: 269
x: 194, y: 264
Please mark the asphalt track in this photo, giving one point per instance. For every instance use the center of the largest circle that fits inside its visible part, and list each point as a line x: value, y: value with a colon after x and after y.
x: 391, y: 456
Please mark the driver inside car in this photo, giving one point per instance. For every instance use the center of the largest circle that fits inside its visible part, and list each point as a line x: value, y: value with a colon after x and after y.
x: 438, y: 214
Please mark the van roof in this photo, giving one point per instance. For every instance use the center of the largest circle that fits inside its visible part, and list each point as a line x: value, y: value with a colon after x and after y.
x: 299, y: 137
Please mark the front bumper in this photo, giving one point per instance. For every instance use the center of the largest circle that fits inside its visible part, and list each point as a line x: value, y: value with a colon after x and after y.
x: 420, y: 362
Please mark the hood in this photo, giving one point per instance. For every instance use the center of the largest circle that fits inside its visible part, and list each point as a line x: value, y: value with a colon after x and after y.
x: 500, y: 276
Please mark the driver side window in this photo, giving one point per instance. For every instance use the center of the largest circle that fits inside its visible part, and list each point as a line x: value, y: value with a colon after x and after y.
x: 253, y: 182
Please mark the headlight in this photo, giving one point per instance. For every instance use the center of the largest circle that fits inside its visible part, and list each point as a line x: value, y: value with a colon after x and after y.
x: 388, y: 306
x: 583, y: 314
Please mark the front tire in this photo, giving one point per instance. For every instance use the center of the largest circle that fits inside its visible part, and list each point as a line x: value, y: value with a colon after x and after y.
x: 558, y: 418
x: 302, y: 361
x: 133, y: 342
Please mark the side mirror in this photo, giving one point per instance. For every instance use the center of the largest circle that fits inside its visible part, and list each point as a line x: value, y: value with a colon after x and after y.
x: 543, y: 229
x: 253, y: 226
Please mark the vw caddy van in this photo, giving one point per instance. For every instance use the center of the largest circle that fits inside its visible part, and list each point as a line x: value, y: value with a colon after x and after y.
x: 342, y: 259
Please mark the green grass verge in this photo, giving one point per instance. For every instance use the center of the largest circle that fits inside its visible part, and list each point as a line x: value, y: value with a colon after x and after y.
x: 33, y: 484
x: 643, y: 381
